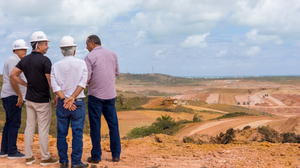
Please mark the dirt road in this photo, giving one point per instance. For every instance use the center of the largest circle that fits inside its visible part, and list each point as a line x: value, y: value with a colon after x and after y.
x: 215, y: 127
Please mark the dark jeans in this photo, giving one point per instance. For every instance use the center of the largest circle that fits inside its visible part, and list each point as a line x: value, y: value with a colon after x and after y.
x: 107, y: 107
x: 77, y: 118
x: 12, y: 125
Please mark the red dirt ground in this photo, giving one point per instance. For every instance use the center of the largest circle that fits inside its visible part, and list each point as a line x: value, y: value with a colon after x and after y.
x: 289, y: 100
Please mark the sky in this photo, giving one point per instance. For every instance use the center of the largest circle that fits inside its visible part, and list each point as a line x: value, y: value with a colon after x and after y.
x: 174, y: 37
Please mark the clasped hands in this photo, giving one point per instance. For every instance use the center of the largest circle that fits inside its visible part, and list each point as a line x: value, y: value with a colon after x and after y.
x: 69, y: 103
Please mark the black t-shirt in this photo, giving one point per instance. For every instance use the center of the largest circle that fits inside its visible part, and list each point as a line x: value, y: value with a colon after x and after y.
x: 35, y: 66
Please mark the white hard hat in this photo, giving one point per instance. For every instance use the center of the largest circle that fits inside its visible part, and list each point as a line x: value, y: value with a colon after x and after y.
x: 19, y: 44
x: 38, y: 36
x: 67, y: 41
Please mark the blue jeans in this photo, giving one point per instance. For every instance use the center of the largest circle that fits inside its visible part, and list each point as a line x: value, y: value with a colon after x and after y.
x: 107, y: 107
x: 77, y: 118
x: 12, y: 125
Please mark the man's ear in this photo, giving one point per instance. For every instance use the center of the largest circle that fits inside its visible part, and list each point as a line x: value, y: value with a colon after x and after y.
x: 38, y: 46
x: 74, y: 52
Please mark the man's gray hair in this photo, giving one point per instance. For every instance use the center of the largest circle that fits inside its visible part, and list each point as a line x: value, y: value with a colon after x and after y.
x: 68, y: 51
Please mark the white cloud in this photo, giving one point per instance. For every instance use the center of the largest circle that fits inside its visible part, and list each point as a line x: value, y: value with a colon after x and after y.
x: 253, y: 36
x: 195, y: 41
x: 276, y: 16
x: 221, y: 53
x: 140, y: 38
x: 68, y: 12
x: 81, y: 53
x: 173, y: 17
x: 252, y: 51
x: 161, y: 54
x: 19, y: 35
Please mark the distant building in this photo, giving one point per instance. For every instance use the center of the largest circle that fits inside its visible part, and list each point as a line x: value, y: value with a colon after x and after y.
x: 175, y: 101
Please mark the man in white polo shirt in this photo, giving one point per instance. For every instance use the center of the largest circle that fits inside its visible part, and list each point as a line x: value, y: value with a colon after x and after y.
x: 12, y: 102
x: 68, y: 79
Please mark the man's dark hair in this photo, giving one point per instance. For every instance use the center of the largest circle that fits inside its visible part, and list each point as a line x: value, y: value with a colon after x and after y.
x: 95, y: 39
x: 33, y: 44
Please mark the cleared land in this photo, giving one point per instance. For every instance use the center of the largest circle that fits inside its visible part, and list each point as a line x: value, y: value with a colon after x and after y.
x: 227, y: 98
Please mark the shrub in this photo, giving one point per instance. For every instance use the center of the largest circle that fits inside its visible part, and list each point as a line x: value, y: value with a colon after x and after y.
x: 164, y: 124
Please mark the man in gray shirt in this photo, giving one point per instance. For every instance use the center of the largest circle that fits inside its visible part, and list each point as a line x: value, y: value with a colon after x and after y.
x: 12, y: 102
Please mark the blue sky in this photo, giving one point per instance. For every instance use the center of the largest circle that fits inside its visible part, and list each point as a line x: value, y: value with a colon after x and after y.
x: 177, y: 37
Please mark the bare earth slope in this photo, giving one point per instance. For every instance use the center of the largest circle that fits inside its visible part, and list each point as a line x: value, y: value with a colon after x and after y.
x: 165, y: 151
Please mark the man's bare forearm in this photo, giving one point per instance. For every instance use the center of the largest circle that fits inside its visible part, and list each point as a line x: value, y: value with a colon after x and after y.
x: 16, y: 87
x: 15, y: 79
x: 76, y: 92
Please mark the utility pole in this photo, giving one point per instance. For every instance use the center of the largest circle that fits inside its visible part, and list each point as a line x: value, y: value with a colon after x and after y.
x: 249, y: 103
x: 152, y: 69
x: 260, y: 106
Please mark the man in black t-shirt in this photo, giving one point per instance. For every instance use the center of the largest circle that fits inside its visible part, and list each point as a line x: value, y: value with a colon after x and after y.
x: 36, y: 68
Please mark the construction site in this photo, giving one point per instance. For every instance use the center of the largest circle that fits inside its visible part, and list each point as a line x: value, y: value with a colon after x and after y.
x: 266, y: 135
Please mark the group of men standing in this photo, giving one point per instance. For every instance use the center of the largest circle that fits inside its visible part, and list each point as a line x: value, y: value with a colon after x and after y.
x: 67, y: 79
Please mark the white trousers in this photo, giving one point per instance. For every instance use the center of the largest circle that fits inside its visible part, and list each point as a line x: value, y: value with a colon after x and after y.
x: 42, y: 113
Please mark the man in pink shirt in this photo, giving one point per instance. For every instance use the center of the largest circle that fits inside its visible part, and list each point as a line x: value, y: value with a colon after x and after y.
x: 103, y: 68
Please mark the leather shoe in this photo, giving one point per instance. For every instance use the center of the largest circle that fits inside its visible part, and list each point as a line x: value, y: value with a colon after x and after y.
x: 64, y: 165
x: 90, y: 160
x: 81, y: 165
x: 115, y: 159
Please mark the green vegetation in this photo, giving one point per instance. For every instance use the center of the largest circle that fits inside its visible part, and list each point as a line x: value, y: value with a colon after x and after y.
x: 235, y: 114
x: 130, y: 103
x: 167, y: 80
x: 163, y: 125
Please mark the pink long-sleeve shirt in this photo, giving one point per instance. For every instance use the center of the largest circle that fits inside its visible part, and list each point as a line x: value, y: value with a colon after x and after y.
x: 103, y: 68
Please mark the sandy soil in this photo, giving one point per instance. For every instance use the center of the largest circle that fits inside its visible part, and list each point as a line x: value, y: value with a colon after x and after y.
x: 132, y: 119
x: 227, y: 98
x: 212, y: 98
x: 198, y: 96
x: 206, y: 109
x: 148, y: 153
x: 215, y: 127
x: 254, y: 99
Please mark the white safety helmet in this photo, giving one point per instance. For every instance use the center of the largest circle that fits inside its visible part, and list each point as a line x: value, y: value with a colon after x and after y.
x: 19, y: 44
x: 67, y: 41
x: 38, y: 36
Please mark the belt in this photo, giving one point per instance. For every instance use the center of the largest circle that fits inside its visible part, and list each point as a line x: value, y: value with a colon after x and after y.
x: 79, y: 99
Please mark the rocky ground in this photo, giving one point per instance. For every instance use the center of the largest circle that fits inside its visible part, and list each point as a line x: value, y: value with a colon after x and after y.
x: 160, y: 150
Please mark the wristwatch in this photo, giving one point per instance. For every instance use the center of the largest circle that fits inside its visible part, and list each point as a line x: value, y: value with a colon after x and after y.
x: 63, y: 98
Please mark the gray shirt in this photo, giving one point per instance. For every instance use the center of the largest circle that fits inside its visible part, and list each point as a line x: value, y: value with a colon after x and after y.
x: 8, y: 66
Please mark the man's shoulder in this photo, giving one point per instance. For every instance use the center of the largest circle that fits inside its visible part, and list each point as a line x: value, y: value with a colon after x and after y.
x: 12, y: 58
x: 78, y: 60
x: 101, y: 50
x: 58, y: 63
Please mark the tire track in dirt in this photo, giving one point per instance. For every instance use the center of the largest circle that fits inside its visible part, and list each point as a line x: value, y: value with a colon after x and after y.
x: 278, y: 102
x: 205, y: 109
x: 269, y: 101
x: 227, y: 99
x: 213, y: 128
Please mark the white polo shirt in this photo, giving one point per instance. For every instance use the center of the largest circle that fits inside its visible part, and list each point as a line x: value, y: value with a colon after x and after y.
x: 7, y: 89
x: 67, y: 74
